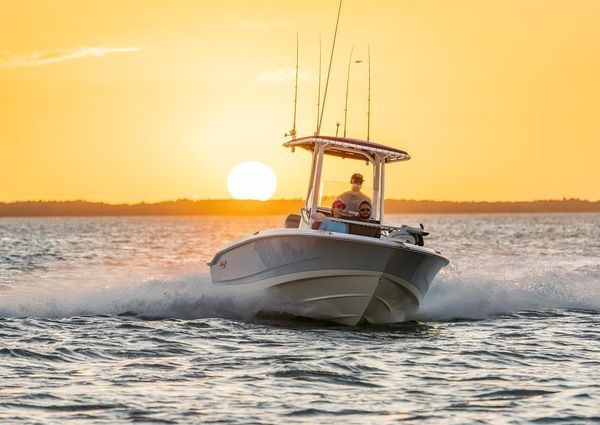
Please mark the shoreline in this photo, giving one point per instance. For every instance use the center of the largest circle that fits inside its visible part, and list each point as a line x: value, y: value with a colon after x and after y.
x: 232, y: 207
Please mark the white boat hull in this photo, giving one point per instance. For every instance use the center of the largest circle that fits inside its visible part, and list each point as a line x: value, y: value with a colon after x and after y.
x: 345, y: 279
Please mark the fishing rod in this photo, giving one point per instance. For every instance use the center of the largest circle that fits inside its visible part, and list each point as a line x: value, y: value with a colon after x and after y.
x: 347, y: 90
x: 369, y: 96
x: 293, y: 131
x: 319, y: 89
x: 329, y: 70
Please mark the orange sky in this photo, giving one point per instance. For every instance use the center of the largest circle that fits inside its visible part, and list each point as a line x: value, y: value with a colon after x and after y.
x: 151, y: 100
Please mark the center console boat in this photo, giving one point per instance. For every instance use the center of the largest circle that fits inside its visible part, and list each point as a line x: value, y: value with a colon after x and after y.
x: 375, y: 274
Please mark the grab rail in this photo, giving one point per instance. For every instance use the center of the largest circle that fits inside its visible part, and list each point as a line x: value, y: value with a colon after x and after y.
x: 365, y: 223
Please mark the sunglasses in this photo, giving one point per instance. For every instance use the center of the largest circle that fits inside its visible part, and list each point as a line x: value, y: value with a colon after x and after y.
x: 365, y: 210
x: 340, y: 206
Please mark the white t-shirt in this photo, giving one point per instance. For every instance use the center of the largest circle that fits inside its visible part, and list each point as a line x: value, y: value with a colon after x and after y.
x: 353, y: 199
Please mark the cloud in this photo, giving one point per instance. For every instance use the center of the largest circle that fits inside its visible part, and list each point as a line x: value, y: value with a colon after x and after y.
x: 9, y: 59
x: 262, y: 25
x: 283, y: 74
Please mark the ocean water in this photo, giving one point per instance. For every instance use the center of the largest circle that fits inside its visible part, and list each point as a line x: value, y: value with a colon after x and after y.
x: 114, y: 320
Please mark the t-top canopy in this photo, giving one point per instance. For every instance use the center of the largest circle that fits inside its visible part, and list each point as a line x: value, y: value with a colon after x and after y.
x: 349, y: 148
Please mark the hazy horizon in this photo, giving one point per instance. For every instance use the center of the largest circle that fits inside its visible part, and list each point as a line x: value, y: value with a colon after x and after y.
x: 298, y: 199
x: 278, y: 207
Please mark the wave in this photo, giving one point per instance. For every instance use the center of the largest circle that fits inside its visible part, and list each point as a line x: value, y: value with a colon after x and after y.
x: 474, y: 292
x: 189, y: 296
x: 481, y: 291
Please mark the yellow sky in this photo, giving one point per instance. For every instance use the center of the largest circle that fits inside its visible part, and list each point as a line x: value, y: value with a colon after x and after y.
x: 124, y: 101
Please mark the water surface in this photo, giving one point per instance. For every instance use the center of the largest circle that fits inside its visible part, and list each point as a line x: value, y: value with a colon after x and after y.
x: 106, y: 320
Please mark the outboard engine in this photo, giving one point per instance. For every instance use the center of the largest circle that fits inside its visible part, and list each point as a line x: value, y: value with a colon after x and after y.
x: 409, y: 234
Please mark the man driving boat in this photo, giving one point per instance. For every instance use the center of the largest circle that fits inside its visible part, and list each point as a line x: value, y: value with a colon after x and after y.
x: 353, y: 198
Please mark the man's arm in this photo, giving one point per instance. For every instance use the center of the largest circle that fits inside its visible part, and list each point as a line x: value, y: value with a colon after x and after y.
x: 318, y: 218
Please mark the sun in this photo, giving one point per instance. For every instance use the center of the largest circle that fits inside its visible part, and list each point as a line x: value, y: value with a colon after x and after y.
x: 251, y: 180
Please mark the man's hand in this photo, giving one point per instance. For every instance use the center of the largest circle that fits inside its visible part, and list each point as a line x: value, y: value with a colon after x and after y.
x: 318, y: 217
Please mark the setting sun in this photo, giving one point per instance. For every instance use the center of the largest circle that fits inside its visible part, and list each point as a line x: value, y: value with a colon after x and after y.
x: 251, y: 180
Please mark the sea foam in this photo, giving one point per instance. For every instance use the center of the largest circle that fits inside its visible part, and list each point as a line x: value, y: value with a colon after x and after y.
x: 469, y: 294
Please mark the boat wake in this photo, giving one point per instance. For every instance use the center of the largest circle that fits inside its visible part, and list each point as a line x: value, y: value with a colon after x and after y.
x: 472, y: 294
x: 189, y: 296
x: 477, y: 294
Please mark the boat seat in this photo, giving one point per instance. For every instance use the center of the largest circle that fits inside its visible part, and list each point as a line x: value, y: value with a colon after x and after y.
x: 292, y: 221
x: 358, y: 229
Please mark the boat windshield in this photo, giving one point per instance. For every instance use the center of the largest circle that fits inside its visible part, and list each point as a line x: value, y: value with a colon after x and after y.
x: 335, y: 181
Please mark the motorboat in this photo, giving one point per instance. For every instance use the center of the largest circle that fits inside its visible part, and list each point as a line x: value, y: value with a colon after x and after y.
x: 372, y: 273
x: 375, y: 274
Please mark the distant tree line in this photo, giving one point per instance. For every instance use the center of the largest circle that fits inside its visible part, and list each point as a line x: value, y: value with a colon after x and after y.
x: 279, y: 207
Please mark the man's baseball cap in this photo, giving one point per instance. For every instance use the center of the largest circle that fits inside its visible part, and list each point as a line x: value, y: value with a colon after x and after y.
x: 337, y: 203
x: 358, y: 178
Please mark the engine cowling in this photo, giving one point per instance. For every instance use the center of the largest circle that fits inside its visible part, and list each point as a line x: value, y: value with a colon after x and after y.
x: 409, y: 234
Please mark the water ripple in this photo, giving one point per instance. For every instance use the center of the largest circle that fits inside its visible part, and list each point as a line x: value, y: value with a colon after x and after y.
x: 112, y: 321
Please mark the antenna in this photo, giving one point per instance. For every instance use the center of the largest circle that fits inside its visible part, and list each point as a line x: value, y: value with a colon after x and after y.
x: 319, y: 90
x: 329, y: 70
x: 347, y: 89
x: 293, y: 131
x: 369, y: 98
